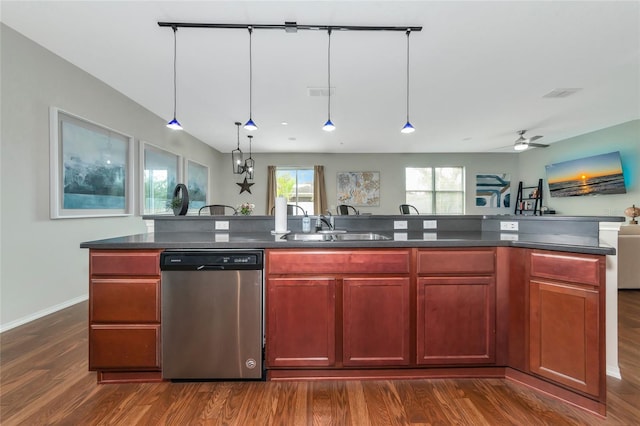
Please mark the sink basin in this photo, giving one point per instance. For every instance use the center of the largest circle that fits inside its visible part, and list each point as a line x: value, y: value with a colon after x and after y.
x: 340, y: 236
x: 360, y: 236
x: 307, y: 237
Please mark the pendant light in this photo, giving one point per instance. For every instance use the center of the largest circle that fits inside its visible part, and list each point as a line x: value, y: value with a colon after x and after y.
x: 408, y: 128
x: 236, y: 155
x: 174, y: 124
x: 249, y: 163
x: 250, y: 125
x: 328, y: 126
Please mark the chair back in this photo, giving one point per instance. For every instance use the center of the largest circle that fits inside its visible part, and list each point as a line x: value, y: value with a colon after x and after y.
x: 407, y: 208
x: 217, y: 210
x: 345, y: 210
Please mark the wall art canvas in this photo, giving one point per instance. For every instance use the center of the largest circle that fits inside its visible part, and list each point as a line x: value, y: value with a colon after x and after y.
x: 599, y: 174
x: 493, y: 190
x: 91, y: 168
x: 197, y: 177
x: 360, y: 189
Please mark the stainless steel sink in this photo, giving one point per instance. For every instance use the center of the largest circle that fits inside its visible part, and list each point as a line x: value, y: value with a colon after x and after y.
x: 341, y: 236
x: 360, y: 236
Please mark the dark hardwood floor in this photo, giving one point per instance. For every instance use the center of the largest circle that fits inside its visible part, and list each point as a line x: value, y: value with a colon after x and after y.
x: 44, y: 380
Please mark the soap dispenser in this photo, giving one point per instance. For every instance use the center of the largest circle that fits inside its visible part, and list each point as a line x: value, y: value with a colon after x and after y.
x: 306, y: 223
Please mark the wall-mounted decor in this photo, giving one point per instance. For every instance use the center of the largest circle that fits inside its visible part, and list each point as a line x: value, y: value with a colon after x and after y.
x: 493, y: 190
x: 161, y: 172
x: 359, y: 188
x: 197, y: 178
x: 599, y: 174
x: 91, y: 168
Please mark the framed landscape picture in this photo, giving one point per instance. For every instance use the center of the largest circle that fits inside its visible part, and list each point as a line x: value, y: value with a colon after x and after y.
x: 91, y: 168
x: 197, y: 178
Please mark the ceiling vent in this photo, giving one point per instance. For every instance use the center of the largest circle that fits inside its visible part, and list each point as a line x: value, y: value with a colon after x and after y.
x: 561, y: 93
x: 320, y: 91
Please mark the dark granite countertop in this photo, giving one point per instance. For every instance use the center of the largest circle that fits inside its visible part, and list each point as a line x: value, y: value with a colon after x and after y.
x: 260, y: 240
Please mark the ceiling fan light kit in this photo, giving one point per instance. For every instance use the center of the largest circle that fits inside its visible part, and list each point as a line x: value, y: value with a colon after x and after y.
x: 523, y: 143
x: 292, y: 28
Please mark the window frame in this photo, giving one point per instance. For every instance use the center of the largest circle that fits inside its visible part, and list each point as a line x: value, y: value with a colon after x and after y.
x: 432, y: 192
x: 296, y: 212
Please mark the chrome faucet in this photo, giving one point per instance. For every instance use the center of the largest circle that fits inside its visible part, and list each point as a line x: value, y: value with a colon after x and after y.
x: 320, y: 220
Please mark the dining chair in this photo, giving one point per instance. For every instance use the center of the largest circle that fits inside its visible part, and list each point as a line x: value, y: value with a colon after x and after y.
x: 344, y: 210
x: 290, y: 209
x: 406, y: 209
x: 217, y: 210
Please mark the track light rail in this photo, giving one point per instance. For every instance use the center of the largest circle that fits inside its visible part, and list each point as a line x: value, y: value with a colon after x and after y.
x: 290, y: 27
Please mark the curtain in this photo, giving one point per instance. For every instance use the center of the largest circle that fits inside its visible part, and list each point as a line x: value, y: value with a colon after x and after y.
x: 319, y: 191
x: 271, y: 189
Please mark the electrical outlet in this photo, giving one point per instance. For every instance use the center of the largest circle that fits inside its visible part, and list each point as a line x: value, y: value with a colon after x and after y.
x: 400, y: 236
x: 429, y: 224
x: 222, y: 237
x: 400, y: 224
x: 508, y: 226
x: 222, y: 225
x: 508, y: 237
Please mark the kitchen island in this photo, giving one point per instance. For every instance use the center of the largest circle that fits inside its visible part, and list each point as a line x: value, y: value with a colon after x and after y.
x: 441, y: 297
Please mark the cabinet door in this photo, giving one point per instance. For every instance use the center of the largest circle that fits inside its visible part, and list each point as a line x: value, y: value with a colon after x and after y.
x: 300, y: 322
x: 456, y: 320
x: 125, y: 300
x: 376, y: 321
x: 564, y: 335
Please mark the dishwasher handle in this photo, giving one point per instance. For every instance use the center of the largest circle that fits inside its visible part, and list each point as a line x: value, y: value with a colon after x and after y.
x: 210, y: 268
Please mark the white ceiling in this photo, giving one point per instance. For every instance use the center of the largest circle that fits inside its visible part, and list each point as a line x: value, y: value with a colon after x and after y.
x: 479, y: 69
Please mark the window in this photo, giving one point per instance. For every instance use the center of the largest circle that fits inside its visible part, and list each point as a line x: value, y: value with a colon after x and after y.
x: 435, y: 190
x: 160, y: 178
x: 296, y: 185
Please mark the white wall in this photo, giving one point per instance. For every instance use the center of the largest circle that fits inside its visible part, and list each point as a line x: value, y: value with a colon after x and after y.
x: 623, y: 137
x: 42, y: 266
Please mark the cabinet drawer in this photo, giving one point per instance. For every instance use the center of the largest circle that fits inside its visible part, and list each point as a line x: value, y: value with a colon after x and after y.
x: 583, y: 269
x: 456, y: 261
x: 338, y: 261
x: 125, y: 301
x: 124, y: 347
x: 124, y: 262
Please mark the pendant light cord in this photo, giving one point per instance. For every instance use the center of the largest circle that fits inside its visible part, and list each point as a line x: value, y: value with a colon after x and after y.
x: 408, y: 34
x: 175, y: 49
x: 250, y: 76
x: 329, y: 74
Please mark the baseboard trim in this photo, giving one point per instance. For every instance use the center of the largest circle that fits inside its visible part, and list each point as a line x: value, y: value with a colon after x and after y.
x: 614, y: 372
x: 42, y: 313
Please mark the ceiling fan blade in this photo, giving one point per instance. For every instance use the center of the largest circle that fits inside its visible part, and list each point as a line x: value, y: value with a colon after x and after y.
x: 534, y: 138
x: 538, y: 145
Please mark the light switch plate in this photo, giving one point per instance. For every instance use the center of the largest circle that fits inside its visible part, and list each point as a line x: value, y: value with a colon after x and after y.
x: 508, y: 226
x: 508, y: 237
x: 400, y: 224
x: 429, y: 224
x: 400, y: 236
x: 222, y: 225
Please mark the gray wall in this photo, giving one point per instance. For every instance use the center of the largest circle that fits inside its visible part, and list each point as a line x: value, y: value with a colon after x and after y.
x: 390, y: 166
x: 623, y: 137
x: 42, y: 266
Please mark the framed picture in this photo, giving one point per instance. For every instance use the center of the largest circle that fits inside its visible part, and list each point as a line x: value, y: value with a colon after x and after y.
x: 360, y: 189
x: 91, y: 168
x: 197, y: 178
x: 161, y: 172
x: 493, y: 190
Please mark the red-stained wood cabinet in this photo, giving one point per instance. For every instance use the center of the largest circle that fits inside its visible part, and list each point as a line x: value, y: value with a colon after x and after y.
x: 566, y: 326
x: 124, y: 315
x: 337, y: 308
x: 456, y: 306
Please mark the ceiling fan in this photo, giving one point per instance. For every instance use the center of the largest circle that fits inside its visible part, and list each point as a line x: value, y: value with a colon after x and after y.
x: 523, y: 143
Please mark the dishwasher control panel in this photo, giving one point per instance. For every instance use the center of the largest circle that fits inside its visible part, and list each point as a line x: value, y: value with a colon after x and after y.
x: 198, y: 260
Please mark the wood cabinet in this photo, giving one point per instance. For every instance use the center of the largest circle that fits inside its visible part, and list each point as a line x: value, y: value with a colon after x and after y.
x: 456, y: 307
x: 335, y: 308
x: 566, y: 326
x: 124, y: 314
x: 301, y: 322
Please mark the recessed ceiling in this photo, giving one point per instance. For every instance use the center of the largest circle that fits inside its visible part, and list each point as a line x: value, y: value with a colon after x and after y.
x: 479, y: 70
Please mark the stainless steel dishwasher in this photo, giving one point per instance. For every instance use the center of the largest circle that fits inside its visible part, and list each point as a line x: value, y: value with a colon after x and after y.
x: 212, y: 314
